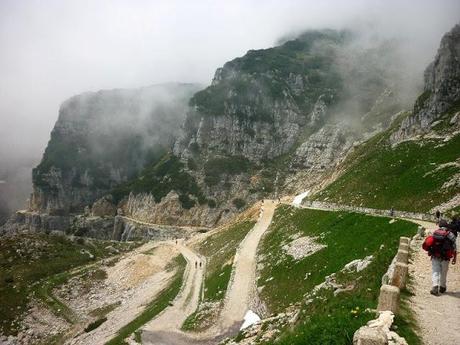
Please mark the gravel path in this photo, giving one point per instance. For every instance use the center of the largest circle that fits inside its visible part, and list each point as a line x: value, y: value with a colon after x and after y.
x: 437, y: 316
x: 165, y: 330
x: 242, y: 285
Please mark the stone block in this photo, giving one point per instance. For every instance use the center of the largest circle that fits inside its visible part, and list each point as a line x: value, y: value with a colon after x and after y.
x: 402, y: 256
x: 400, y: 275
x: 405, y: 240
x: 389, y: 298
x: 404, y: 246
x: 370, y: 336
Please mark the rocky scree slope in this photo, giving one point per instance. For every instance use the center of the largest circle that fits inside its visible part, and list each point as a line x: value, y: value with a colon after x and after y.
x: 104, y: 138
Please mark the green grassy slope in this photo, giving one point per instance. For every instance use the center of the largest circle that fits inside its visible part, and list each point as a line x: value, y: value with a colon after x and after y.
x: 328, y: 319
x: 407, y: 177
x: 35, y: 263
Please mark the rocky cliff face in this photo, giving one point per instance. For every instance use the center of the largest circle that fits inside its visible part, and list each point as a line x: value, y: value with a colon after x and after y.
x: 104, y: 138
x: 440, y: 99
x: 271, y: 122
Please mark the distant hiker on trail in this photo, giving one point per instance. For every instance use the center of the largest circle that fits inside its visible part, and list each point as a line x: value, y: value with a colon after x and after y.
x: 392, y: 212
x: 201, y: 264
x: 196, y: 264
x: 441, y: 247
x: 454, y: 225
x: 438, y: 216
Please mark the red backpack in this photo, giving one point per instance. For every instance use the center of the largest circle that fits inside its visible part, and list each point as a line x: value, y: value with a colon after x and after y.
x: 439, y: 245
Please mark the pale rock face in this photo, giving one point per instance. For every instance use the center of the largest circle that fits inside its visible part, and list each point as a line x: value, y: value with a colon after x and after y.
x: 442, y: 88
x: 104, y: 207
x: 169, y: 211
x: 258, y: 140
x: 324, y: 148
x: 319, y: 111
x: 104, y: 138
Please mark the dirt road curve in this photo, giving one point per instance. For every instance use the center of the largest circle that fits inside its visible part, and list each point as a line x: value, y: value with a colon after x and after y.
x: 438, y: 316
x: 165, y: 330
x: 166, y: 327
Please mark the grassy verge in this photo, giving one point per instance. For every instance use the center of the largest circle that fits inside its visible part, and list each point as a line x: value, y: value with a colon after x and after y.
x: 219, y: 249
x: 326, y: 318
x: 407, y: 177
x: 155, y: 307
x: 35, y: 263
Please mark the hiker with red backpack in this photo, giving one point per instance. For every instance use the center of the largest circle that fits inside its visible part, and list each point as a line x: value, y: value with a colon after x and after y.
x: 442, y: 247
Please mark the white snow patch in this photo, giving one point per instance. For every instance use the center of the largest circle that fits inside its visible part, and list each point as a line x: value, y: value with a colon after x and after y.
x: 299, y: 198
x: 250, y: 318
x: 302, y: 247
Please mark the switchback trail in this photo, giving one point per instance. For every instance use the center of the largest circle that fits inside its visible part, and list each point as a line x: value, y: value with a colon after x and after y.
x: 165, y: 330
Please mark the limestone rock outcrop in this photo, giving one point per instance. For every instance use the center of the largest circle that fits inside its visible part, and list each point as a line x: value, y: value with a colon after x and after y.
x: 104, y: 138
x: 441, y: 95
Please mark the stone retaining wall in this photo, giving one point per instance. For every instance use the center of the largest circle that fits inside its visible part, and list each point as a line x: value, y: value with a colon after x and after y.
x: 377, y: 332
x: 338, y: 207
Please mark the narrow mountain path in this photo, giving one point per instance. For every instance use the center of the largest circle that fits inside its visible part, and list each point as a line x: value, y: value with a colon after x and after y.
x: 166, y: 226
x: 165, y: 330
x: 437, y: 316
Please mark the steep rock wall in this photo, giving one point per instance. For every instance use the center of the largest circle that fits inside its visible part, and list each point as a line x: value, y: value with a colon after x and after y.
x: 104, y: 138
x: 441, y: 96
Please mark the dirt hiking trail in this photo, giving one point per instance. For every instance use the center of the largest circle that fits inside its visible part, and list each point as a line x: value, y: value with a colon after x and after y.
x: 165, y: 329
x: 437, y: 316
x: 242, y: 283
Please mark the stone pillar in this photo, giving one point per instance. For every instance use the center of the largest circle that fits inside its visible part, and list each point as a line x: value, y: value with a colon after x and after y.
x: 389, y: 298
x: 402, y: 256
x: 404, y: 246
x: 370, y: 336
x: 404, y: 240
x: 400, y: 275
